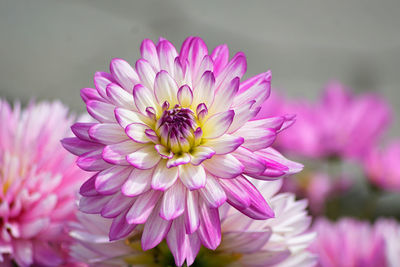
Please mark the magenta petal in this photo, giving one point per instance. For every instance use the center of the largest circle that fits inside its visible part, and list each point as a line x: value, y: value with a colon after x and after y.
x: 90, y: 94
x: 253, y: 163
x: 220, y: 56
x: 103, y: 112
x: 235, y: 68
x: 193, y: 248
x: 143, y: 206
x: 173, y: 202
x: 257, y: 88
x: 213, y: 193
x: 110, y: 180
x: 93, y: 205
x: 78, y: 147
x: 225, y: 144
x: 117, y: 204
x: 138, y: 182
x: 176, y: 240
x: 81, y: 130
x: 210, y: 226
x: 166, y: 54
x: 120, y: 228
x: 224, y: 166
x: 101, y: 80
x: 123, y: 73
x: 107, y: 133
x: 192, y: 219
x: 88, y: 189
x: 144, y: 158
x: 92, y: 161
x: 259, y: 208
x: 149, y: 53
x: 237, y: 197
x: 154, y: 230
x: 146, y: 73
x: 116, y: 153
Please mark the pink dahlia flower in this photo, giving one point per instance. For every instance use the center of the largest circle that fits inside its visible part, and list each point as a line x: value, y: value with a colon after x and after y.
x: 382, y: 167
x: 280, y: 241
x: 172, y: 143
x: 38, y: 180
x: 352, y: 243
x: 339, y: 125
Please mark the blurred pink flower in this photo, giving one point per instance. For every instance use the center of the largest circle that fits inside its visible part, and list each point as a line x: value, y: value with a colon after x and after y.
x: 172, y: 143
x: 317, y: 187
x: 382, y: 167
x: 339, y: 125
x: 280, y: 241
x: 38, y: 182
x: 352, y: 243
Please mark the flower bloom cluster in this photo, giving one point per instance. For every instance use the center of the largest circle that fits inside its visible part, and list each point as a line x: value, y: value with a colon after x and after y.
x: 354, y: 243
x: 280, y: 241
x: 38, y: 183
x: 330, y: 127
x: 382, y: 167
x: 173, y: 141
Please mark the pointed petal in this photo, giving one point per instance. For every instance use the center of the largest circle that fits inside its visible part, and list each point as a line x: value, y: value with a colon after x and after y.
x: 110, y: 180
x: 185, y: 96
x: 220, y: 56
x: 224, y: 98
x: 154, y: 230
x: 144, y: 98
x: 173, y: 202
x: 81, y: 130
x: 120, y: 97
x: 103, y: 112
x: 137, y: 132
x: 204, y: 90
x: 123, y: 73
x: 138, y: 182
x: 101, y: 80
x: 209, y: 231
x: 116, y: 153
x: 117, y: 204
x: 149, y: 53
x: 92, y: 161
x: 193, y: 177
x: 224, y: 144
x: 163, y: 177
x: 143, y: 207
x: 167, y: 54
x: 146, y: 73
x: 200, y: 154
x: 192, y: 219
x: 213, y: 193
x: 107, y: 133
x: 165, y: 88
x: 120, y: 228
x: 144, y: 158
x: 257, y: 88
x: 126, y: 117
x: 176, y: 241
x: 224, y: 166
x: 78, y: 147
x: 218, y: 124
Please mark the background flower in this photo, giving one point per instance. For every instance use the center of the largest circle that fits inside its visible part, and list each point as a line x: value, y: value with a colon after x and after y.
x: 38, y: 182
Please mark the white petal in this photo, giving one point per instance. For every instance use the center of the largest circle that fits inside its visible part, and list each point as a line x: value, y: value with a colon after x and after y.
x: 173, y: 202
x: 144, y: 158
x: 218, y: 124
x: 163, y: 177
x: 193, y: 177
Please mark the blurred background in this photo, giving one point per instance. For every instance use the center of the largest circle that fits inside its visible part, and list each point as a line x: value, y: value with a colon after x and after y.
x: 50, y: 49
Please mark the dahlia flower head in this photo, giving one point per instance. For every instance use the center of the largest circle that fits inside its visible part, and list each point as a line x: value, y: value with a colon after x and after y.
x: 280, y: 241
x: 382, y: 167
x: 39, y: 182
x: 353, y: 243
x: 173, y: 142
x: 340, y: 124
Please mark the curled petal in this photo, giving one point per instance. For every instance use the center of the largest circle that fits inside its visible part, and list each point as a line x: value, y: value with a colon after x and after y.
x: 137, y: 132
x: 185, y: 96
x: 143, y: 98
x: 103, y: 112
x: 110, y: 180
x: 116, y: 153
x: 218, y: 124
x: 213, y: 193
x: 120, y: 228
x: 165, y: 88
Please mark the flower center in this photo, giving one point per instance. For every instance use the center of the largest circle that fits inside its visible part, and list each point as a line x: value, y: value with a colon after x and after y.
x: 177, y: 129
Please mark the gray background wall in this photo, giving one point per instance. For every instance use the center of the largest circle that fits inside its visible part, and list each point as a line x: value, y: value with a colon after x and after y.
x: 51, y: 48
